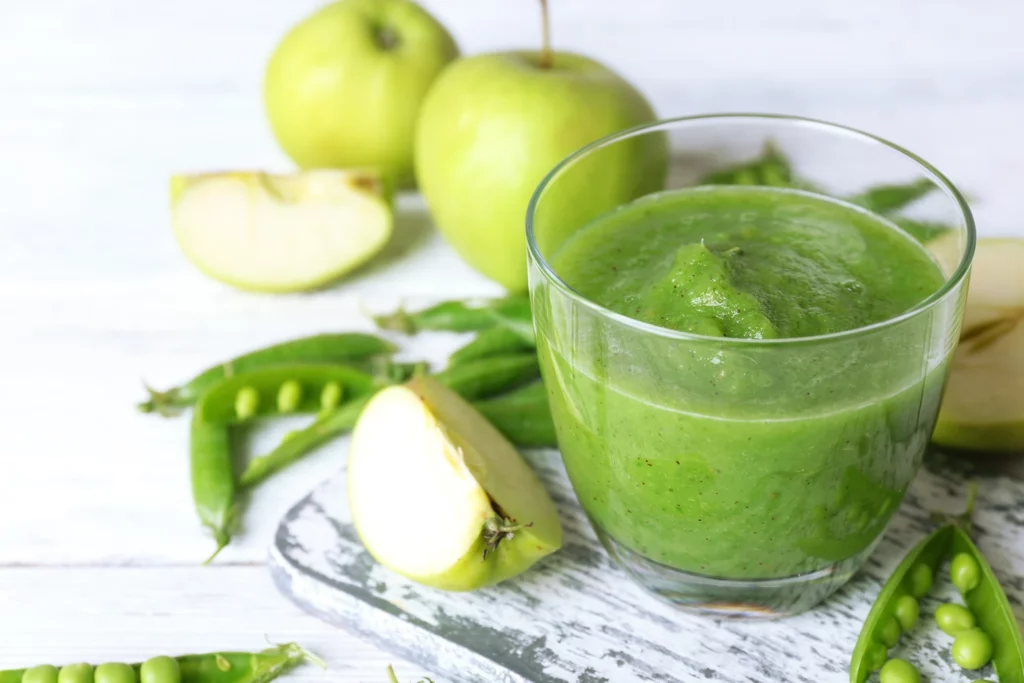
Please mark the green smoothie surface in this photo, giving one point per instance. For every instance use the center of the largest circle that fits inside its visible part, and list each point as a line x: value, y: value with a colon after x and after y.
x: 748, y: 262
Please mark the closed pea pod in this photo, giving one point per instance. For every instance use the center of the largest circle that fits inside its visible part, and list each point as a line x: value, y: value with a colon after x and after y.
x: 952, y: 619
x: 497, y: 341
x: 114, y: 673
x: 75, y: 673
x: 213, y: 478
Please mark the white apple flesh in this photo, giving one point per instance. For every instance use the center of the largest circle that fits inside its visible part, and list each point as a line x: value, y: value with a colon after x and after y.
x: 983, y: 407
x: 432, y: 486
x: 280, y: 233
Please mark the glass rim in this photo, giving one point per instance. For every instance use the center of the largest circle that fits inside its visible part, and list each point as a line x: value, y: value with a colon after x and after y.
x: 945, y: 183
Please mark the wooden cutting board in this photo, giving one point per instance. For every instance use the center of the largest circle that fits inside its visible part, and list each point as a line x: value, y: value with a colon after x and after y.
x: 578, y: 618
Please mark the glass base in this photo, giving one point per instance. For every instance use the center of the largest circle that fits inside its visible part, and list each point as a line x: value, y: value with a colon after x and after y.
x: 744, y: 598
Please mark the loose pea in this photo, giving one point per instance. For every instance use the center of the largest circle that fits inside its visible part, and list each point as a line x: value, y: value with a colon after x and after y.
x: 965, y: 573
x: 920, y: 580
x: 953, y: 619
x: 890, y: 632
x: 972, y: 649
x: 247, y: 402
x: 46, y: 673
x: 288, y: 396
x: 899, y: 671
x: 330, y: 397
x: 160, y: 670
x: 114, y: 673
x: 875, y: 656
x: 906, y: 612
x: 75, y: 673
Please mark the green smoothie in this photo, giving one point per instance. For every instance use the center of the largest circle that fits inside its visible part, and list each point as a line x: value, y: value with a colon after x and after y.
x: 754, y: 459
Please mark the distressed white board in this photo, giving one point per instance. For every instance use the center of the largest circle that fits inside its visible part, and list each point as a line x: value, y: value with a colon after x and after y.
x: 578, y: 618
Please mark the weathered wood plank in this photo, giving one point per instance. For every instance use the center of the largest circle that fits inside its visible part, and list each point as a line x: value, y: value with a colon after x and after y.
x: 578, y: 618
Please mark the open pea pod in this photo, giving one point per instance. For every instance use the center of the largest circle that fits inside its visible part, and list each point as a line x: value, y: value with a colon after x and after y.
x: 870, y: 651
x: 992, y: 611
x: 219, y: 403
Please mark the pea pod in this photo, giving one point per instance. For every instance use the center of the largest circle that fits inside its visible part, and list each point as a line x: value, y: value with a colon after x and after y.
x: 349, y: 347
x: 459, y: 316
x: 993, y: 613
x: 497, y: 341
x: 889, y: 198
x: 770, y: 168
x: 472, y: 380
x: 218, y: 404
x: 220, y: 667
x: 213, y: 478
x: 928, y: 553
x: 523, y: 416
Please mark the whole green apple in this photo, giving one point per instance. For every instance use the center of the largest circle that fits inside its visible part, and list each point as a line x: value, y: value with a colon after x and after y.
x: 344, y: 87
x: 494, y: 125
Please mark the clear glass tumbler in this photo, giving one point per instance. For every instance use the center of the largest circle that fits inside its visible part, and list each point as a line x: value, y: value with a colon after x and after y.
x: 742, y: 476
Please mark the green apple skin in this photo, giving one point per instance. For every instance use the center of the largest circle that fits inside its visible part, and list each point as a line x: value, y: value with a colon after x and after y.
x: 344, y: 86
x: 494, y: 125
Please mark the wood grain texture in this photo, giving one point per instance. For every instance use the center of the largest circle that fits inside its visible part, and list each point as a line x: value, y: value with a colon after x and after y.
x: 577, y: 618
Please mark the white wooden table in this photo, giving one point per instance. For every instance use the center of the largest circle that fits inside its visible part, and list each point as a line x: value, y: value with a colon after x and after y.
x: 101, y: 101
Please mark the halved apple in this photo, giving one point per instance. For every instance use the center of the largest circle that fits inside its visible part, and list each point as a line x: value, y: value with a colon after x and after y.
x: 983, y: 408
x: 440, y: 496
x: 280, y: 233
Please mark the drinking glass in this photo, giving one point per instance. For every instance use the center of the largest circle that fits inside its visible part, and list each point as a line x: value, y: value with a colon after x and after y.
x: 737, y: 476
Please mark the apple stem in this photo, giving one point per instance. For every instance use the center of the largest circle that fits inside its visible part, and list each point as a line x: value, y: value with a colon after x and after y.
x: 498, y: 529
x: 546, y: 56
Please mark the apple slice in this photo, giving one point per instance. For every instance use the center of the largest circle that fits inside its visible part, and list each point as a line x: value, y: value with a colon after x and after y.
x: 280, y: 233
x: 440, y: 496
x: 983, y: 408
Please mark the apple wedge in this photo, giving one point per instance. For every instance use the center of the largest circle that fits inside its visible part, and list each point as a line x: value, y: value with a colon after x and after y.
x: 280, y: 233
x: 439, y: 496
x: 983, y: 408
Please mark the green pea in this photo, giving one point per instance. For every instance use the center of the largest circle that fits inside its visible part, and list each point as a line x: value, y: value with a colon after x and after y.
x: 75, y: 673
x: 114, y: 673
x: 330, y: 397
x: 288, y: 396
x: 920, y: 580
x: 953, y: 619
x: 875, y: 656
x: 890, y: 632
x: 965, y: 573
x: 46, y: 673
x: 906, y: 612
x: 160, y: 670
x: 247, y: 402
x: 899, y: 671
x: 972, y: 649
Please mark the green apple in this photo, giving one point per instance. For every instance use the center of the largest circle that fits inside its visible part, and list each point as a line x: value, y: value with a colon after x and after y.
x: 983, y: 407
x: 439, y: 496
x: 494, y: 125
x: 344, y: 86
x: 280, y: 233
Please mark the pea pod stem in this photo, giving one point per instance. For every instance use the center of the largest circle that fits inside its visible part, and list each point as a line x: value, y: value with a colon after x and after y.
x: 348, y: 347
